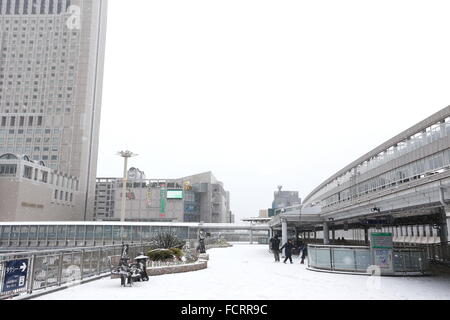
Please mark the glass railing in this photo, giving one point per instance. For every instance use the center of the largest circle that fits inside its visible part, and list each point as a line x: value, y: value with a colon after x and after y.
x: 50, y: 268
x: 357, y: 259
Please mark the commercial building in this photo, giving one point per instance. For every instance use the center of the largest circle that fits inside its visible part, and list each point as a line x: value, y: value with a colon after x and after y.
x: 33, y: 192
x: 196, y: 198
x: 51, y: 71
x: 282, y: 199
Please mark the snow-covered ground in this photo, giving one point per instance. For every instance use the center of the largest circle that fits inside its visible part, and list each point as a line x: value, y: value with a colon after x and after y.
x: 248, y: 272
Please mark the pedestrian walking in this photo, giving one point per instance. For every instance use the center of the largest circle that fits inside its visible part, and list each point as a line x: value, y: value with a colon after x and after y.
x: 275, y: 247
x: 288, y: 246
x: 304, y: 253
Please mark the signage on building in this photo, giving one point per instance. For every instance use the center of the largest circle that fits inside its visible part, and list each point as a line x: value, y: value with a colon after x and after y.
x: 32, y: 205
x: 174, y: 194
x: 381, y: 248
x: 15, y: 275
x: 162, y: 200
x: 149, y: 197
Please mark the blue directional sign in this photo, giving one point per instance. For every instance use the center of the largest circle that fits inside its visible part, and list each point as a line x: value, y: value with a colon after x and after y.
x: 15, y: 275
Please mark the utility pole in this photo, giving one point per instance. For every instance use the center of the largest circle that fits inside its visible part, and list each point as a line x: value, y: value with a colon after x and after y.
x: 125, y: 155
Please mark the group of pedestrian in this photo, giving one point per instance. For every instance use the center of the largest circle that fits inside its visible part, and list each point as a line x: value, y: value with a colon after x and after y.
x: 288, y: 248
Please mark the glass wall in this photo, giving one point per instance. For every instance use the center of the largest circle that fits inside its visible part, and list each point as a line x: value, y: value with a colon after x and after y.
x: 86, y: 235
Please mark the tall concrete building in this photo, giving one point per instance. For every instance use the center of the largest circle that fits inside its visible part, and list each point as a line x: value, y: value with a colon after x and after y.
x: 51, y: 71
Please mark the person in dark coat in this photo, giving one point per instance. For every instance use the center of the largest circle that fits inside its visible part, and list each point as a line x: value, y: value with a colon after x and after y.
x: 275, y: 247
x: 304, y: 253
x: 288, y: 246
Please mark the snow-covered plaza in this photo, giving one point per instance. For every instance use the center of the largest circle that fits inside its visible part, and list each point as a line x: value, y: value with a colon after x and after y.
x: 247, y: 271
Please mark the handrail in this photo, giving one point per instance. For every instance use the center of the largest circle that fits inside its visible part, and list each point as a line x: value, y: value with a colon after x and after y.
x: 72, y: 249
x: 338, y: 246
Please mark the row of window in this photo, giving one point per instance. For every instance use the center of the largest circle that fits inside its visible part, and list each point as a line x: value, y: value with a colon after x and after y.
x: 21, y: 121
x: 36, y: 157
x: 415, y: 170
x: 63, y: 196
x: 135, y: 233
x: 8, y: 170
x: 34, y: 104
x: 138, y: 185
x: 20, y: 140
x: 412, y: 231
x: 61, y: 98
x: 54, y: 179
x: 10, y: 7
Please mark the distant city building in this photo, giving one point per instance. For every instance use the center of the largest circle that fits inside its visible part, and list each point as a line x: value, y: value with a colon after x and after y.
x: 196, y: 198
x: 284, y: 199
x: 264, y: 213
x: 33, y: 192
x: 51, y: 71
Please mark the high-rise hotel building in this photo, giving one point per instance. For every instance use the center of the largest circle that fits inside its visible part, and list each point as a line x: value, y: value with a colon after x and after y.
x: 51, y: 70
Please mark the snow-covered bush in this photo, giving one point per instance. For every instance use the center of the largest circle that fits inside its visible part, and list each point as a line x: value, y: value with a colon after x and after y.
x: 167, y: 240
x: 160, y: 255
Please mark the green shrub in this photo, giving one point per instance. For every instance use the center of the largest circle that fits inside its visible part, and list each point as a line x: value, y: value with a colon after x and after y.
x: 160, y: 255
x: 177, y: 252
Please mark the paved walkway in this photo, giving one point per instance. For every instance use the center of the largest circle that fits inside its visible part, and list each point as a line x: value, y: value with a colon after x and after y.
x: 248, y: 272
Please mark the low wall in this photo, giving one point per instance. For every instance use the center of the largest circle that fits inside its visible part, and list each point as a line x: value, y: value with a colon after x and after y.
x: 157, y: 271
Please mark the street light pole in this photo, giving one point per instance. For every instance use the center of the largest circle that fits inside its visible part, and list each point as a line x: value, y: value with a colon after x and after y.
x: 125, y: 155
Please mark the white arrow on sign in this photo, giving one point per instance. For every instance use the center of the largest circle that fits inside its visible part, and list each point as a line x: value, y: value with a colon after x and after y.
x: 23, y: 267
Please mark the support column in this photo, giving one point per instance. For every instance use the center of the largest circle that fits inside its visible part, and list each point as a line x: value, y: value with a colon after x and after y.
x: 333, y: 233
x: 445, y: 225
x: 284, y: 232
x: 251, y: 236
x: 448, y: 224
x: 366, y: 236
x: 326, y: 234
x: 270, y: 233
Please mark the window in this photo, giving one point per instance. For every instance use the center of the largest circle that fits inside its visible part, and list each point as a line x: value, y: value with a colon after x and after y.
x: 8, y: 169
x: 44, y: 176
x: 28, y: 172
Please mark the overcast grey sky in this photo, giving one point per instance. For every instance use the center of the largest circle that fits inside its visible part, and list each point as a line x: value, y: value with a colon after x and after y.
x: 265, y: 93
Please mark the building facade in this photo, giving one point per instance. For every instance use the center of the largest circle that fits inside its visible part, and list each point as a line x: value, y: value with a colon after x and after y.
x: 51, y: 71
x: 196, y: 198
x: 33, y: 192
x: 282, y: 199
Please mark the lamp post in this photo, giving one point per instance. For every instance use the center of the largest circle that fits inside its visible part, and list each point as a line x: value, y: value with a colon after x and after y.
x: 125, y: 155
